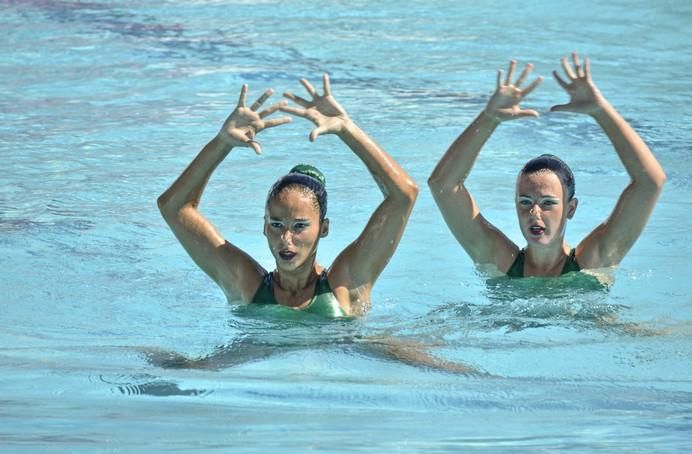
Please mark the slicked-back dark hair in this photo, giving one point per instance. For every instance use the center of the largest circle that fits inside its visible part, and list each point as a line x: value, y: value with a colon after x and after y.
x: 307, y: 179
x: 556, y: 165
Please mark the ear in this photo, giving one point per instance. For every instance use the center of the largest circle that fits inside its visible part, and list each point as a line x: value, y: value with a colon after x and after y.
x: 572, y: 207
x: 324, y: 228
x: 264, y: 226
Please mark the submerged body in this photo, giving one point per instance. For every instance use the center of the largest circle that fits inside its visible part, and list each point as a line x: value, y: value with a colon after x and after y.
x: 323, y: 301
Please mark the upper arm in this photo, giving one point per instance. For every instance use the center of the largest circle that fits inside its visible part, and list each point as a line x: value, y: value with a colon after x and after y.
x: 230, y: 267
x: 357, y: 267
x: 484, y: 242
x: 608, y: 243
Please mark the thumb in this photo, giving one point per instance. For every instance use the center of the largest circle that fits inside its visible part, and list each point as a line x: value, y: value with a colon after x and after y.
x: 244, y: 141
x: 316, y: 132
x: 255, y: 146
x: 527, y: 113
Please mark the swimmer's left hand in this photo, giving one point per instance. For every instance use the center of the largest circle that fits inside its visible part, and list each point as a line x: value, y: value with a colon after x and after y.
x: 323, y: 110
x: 585, y: 97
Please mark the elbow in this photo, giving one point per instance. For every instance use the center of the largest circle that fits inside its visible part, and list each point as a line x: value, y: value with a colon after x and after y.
x: 414, y: 190
x: 660, y: 180
x: 656, y: 180
x: 441, y: 189
x: 161, y: 202
x: 406, y: 193
x: 433, y: 183
x: 167, y: 207
x: 435, y: 186
x: 441, y: 181
x: 410, y: 191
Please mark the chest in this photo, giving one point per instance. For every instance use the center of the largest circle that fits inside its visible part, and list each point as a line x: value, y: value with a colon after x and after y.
x: 297, y: 299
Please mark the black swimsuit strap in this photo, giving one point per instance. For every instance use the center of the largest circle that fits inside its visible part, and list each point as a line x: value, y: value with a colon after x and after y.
x: 265, y: 291
x: 517, y: 268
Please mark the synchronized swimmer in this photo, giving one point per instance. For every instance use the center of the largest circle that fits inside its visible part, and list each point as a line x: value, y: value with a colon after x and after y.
x: 295, y: 215
x: 545, y: 186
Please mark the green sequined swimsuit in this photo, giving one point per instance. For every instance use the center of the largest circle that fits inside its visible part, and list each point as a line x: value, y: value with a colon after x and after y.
x: 517, y: 268
x: 323, y: 302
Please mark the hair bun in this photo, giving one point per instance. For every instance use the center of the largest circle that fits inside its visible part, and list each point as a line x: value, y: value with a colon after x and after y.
x: 310, y: 171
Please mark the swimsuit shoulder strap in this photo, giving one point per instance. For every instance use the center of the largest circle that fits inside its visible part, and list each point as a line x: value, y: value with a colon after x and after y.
x: 324, y: 302
x: 571, y: 263
x: 265, y: 291
x: 322, y: 285
x: 517, y: 268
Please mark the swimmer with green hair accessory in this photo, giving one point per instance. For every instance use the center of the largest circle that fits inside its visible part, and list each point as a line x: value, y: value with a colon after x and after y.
x: 295, y: 215
x: 545, y: 186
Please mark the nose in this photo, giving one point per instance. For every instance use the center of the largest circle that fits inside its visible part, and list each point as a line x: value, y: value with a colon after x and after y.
x: 535, y: 210
x: 286, y: 236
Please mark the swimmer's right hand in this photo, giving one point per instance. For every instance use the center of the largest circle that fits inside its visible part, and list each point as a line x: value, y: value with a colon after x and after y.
x: 504, y: 103
x: 323, y: 110
x: 241, y: 127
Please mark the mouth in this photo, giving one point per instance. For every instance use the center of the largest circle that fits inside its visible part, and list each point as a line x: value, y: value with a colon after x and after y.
x: 287, y: 255
x: 537, y: 230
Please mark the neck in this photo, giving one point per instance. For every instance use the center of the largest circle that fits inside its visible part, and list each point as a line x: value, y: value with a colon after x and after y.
x: 298, y: 279
x: 546, y: 261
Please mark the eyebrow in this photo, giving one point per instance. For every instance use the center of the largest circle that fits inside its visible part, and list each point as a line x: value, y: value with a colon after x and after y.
x: 272, y: 218
x: 543, y: 197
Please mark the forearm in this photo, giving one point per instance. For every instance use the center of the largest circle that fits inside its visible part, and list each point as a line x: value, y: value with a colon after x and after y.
x: 389, y: 175
x: 188, y: 187
x: 456, y: 164
x: 635, y: 155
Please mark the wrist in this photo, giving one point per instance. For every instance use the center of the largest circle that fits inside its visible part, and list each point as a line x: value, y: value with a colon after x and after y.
x: 489, y: 118
x: 602, y: 109
x: 348, y: 128
x: 223, y: 143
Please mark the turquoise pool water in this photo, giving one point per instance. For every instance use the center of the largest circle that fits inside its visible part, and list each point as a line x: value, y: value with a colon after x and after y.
x: 104, y: 103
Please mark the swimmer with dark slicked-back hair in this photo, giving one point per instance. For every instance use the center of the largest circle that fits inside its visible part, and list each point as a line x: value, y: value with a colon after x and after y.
x: 545, y: 188
x: 295, y: 215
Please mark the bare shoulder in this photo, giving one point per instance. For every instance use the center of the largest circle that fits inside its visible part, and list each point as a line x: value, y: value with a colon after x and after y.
x: 238, y: 274
x: 354, y: 299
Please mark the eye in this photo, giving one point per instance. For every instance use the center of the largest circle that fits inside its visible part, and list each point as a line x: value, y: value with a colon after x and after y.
x: 525, y: 202
x: 300, y: 225
x: 275, y: 225
x: 550, y: 203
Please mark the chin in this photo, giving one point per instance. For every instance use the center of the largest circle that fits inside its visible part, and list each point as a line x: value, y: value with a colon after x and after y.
x: 541, y: 241
x: 288, y: 266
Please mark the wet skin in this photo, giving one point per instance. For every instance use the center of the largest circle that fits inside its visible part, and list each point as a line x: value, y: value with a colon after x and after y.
x: 542, y: 209
x: 292, y: 227
x: 293, y: 230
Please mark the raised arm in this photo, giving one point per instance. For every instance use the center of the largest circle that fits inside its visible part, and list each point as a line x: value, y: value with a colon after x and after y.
x: 610, y: 241
x: 231, y: 268
x: 481, y: 240
x: 355, y: 270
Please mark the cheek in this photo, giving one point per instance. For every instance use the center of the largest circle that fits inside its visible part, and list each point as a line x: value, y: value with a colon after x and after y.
x: 272, y: 236
x: 306, y: 238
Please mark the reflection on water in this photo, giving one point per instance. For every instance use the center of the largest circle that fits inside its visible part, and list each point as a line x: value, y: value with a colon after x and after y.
x: 145, y: 384
x: 340, y: 338
x: 575, y: 301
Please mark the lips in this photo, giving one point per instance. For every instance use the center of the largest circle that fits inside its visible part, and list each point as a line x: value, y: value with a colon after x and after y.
x: 537, y: 230
x: 287, y: 255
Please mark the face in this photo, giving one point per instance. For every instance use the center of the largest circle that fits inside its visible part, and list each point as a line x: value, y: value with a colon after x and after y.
x: 542, y: 208
x: 293, y: 229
